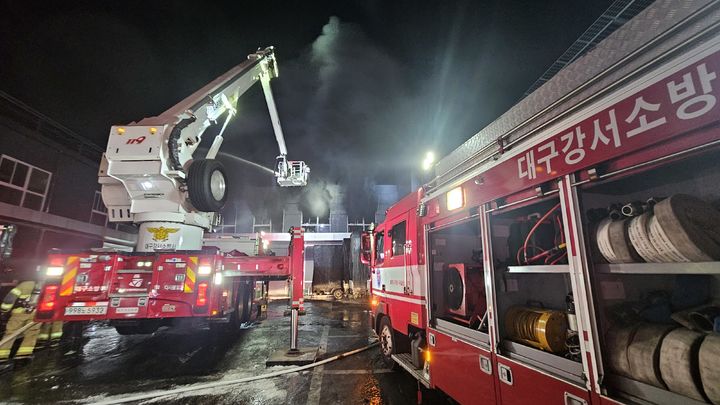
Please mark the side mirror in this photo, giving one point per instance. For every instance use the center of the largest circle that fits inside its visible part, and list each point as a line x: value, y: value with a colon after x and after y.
x: 365, y: 248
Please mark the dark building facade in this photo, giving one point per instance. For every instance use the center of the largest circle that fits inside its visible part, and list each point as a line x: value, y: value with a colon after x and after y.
x: 49, y: 189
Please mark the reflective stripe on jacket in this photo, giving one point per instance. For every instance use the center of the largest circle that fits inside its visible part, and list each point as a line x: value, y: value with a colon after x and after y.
x: 17, y: 296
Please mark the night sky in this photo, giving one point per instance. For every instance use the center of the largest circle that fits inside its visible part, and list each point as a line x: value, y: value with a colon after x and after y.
x: 365, y: 87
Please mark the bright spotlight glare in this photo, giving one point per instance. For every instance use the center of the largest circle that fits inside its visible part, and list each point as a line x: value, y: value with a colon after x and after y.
x: 455, y: 198
x: 228, y: 105
x: 428, y: 161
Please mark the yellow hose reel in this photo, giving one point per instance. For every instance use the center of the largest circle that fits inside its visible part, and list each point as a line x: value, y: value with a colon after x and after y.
x: 544, y: 329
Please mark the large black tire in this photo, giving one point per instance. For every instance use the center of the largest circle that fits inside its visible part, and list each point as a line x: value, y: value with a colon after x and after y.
x: 207, y: 185
x: 388, y: 342
x: 243, y: 302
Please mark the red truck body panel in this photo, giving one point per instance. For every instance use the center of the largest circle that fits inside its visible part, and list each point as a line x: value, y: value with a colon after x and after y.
x: 456, y: 365
x: 532, y: 386
x: 122, y: 286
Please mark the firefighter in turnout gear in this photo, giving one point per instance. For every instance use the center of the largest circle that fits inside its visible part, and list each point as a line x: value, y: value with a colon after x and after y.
x: 50, y: 334
x: 20, y: 302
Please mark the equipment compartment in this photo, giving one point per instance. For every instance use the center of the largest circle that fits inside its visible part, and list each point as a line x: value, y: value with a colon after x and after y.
x: 652, y: 237
x: 457, y: 282
x: 534, y: 294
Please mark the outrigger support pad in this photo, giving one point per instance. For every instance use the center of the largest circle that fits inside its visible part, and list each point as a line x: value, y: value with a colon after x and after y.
x: 295, y: 355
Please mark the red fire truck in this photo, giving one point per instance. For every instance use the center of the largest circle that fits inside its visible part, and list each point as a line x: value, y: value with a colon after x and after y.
x: 139, y: 292
x: 569, y: 253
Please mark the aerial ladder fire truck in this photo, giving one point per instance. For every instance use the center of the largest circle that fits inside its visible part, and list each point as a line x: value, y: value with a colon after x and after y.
x: 569, y: 253
x: 153, y: 175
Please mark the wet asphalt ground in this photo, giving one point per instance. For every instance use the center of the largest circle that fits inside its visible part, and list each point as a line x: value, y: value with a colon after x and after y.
x: 110, y: 366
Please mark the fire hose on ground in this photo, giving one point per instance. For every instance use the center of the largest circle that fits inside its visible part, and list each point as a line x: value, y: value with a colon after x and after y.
x: 216, y: 384
x: 15, y: 334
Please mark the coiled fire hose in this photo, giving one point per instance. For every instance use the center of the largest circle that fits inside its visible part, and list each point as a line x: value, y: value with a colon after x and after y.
x: 216, y: 384
x: 681, y: 228
x: 550, y: 256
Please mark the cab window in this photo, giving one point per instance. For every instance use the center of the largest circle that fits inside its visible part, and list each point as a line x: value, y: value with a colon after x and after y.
x: 398, y: 239
x: 379, y: 247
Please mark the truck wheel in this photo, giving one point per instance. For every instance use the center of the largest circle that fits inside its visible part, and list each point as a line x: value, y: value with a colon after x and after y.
x: 207, y: 185
x: 242, y: 308
x: 337, y: 294
x: 387, y: 342
x: 245, y: 303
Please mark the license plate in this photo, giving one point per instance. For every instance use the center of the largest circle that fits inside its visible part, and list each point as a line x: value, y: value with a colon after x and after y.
x: 127, y: 310
x: 96, y: 310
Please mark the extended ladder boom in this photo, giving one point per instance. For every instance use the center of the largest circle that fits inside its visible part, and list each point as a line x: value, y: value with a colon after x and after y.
x: 193, y: 115
x: 151, y: 175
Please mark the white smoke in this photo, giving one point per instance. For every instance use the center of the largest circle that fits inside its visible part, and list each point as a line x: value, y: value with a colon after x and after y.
x: 347, y: 109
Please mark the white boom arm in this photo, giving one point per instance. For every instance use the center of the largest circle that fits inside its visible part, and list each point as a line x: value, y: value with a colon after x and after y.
x: 148, y: 172
x: 204, y: 107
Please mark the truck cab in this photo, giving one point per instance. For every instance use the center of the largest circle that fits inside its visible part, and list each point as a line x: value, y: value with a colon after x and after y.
x: 395, y: 251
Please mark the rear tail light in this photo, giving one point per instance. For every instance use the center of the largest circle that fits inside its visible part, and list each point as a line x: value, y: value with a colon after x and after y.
x: 56, y: 260
x: 204, y: 270
x: 201, y: 300
x: 47, y: 303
